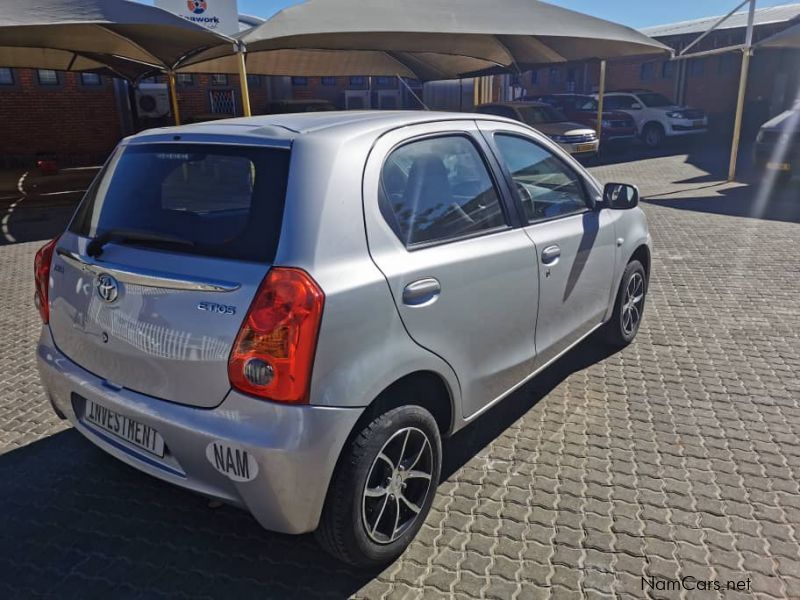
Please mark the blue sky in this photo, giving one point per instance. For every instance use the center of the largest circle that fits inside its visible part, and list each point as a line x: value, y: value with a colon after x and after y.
x: 636, y: 13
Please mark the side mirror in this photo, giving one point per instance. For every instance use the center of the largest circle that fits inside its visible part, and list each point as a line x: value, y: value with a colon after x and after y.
x: 620, y: 196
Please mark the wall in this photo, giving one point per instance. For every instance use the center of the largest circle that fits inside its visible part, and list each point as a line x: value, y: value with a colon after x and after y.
x: 78, y: 123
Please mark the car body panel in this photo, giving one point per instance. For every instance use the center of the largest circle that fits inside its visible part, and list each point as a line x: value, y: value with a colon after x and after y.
x: 695, y: 123
x: 617, y: 125
x: 777, y: 146
x: 493, y: 273
x: 480, y: 337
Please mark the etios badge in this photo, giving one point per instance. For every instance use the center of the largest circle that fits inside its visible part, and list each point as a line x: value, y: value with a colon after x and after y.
x: 234, y: 462
x: 107, y: 288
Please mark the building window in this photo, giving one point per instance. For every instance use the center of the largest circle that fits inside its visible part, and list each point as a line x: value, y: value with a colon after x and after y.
x: 47, y: 77
x: 219, y: 79
x: 386, y: 81
x: 184, y: 79
x: 255, y: 81
x: 554, y: 74
x: 299, y: 81
x: 91, y: 79
x: 6, y: 76
x: 535, y: 77
x: 667, y: 69
x: 697, y: 67
x: 329, y: 81
x: 358, y: 81
x: 647, y: 71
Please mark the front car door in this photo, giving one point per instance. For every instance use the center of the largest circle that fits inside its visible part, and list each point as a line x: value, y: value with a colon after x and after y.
x: 464, y: 279
x: 575, y: 243
x: 626, y: 103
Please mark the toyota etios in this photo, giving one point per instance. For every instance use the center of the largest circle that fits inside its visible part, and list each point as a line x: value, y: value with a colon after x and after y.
x: 288, y: 313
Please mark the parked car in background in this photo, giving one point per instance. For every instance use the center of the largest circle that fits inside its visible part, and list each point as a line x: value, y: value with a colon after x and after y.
x: 656, y: 116
x: 279, y: 107
x: 582, y: 108
x: 288, y: 313
x: 777, y: 146
x: 575, y: 138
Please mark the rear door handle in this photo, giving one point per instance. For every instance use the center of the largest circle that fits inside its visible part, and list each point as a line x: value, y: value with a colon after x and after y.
x: 550, y: 255
x: 421, y: 292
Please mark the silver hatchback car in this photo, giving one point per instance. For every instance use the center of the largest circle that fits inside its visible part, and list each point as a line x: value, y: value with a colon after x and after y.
x: 288, y: 313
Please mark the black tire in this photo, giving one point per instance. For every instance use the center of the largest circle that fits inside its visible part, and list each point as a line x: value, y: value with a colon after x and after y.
x: 343, y: 531
x: 618, y: 331
x: 653, y: 135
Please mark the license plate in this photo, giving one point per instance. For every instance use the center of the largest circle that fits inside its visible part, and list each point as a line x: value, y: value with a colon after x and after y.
x: 698, y: 124
x: 778, y: 166
x: 140, y: 435
x: 585, y: 147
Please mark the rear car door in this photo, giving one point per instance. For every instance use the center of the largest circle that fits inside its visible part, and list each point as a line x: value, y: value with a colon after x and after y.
x: 575, y: 244
x: 189, y: 231
x: 464, y: 280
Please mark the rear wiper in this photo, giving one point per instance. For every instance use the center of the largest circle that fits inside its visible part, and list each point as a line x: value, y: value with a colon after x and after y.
x: 95, y: 247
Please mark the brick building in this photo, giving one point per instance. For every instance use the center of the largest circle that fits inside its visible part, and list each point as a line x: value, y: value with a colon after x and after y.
x: 709, y: 82
x: 80, y: 117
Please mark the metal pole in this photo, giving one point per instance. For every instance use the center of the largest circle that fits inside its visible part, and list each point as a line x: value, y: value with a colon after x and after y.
x: 600, y: 97
x: 173, y: 96
x: 243, y: 83
x: 737, y: 123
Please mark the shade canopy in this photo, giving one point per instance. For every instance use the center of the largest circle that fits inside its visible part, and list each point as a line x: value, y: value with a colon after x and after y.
x: 788, y: 39
x: 125, y: 38
x: 426, y: 39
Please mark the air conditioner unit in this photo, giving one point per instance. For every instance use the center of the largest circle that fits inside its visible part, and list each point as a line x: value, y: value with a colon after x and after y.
x: 152, y: 100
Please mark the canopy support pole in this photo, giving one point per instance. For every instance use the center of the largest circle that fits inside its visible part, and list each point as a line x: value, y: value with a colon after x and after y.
x: 601, y: 91
x: 737, y: 123
x: 243, y: 83
x: 173, y: 97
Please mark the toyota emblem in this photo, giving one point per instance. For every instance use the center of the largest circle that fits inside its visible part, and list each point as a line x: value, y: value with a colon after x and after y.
x: 107, y: 288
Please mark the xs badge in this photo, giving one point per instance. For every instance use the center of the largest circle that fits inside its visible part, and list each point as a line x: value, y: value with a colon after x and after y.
x: 220, y: 309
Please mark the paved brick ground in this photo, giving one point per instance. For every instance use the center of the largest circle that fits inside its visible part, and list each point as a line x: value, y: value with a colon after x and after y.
x: 679, y: 456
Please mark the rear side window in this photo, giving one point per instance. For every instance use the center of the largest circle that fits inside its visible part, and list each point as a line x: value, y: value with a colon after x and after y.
x: 226, y: 201
x: 437, y: 189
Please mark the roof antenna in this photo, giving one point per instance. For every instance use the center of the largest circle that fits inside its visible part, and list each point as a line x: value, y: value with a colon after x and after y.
x: 408, y: 87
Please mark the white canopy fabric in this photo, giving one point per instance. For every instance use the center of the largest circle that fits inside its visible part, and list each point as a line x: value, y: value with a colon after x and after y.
x: 126, y: 38
x: 425, y: 39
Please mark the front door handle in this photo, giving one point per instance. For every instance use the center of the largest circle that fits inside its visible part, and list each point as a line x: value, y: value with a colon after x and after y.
x: 550, y: 255
x: 421, y: 292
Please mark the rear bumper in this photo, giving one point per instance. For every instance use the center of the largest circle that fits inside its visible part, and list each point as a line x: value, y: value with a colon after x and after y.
x: 295, y: 447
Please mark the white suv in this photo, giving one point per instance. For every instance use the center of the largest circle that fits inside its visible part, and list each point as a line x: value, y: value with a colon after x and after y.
x: 656, y: 116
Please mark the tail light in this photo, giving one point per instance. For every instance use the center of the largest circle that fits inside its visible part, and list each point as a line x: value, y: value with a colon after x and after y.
x: 274, y: 352
x: 41, y: 271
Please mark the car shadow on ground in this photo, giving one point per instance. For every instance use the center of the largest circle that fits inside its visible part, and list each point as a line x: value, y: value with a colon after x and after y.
x: 75, y: 522
x: 758, y: 200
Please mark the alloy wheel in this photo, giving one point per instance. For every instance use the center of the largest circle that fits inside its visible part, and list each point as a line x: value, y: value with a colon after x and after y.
x: 632, y: 304
x: 398, y: 485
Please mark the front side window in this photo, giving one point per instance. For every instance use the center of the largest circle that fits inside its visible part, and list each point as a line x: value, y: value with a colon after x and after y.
x: 546, y: 187
x: 653, y: 100
x: 437, y: 189
x: 541, y: 115
x: 213, y: 200
x: 623, y: 102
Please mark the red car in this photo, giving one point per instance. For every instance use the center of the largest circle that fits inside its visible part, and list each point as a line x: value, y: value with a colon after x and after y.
x: 583, y: 109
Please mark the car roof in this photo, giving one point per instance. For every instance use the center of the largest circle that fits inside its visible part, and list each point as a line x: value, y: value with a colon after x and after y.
x: 513, y: 103
x: 289, y: 126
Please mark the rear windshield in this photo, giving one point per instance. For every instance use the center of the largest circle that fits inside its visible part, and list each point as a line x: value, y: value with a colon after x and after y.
x: 226, y: 201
